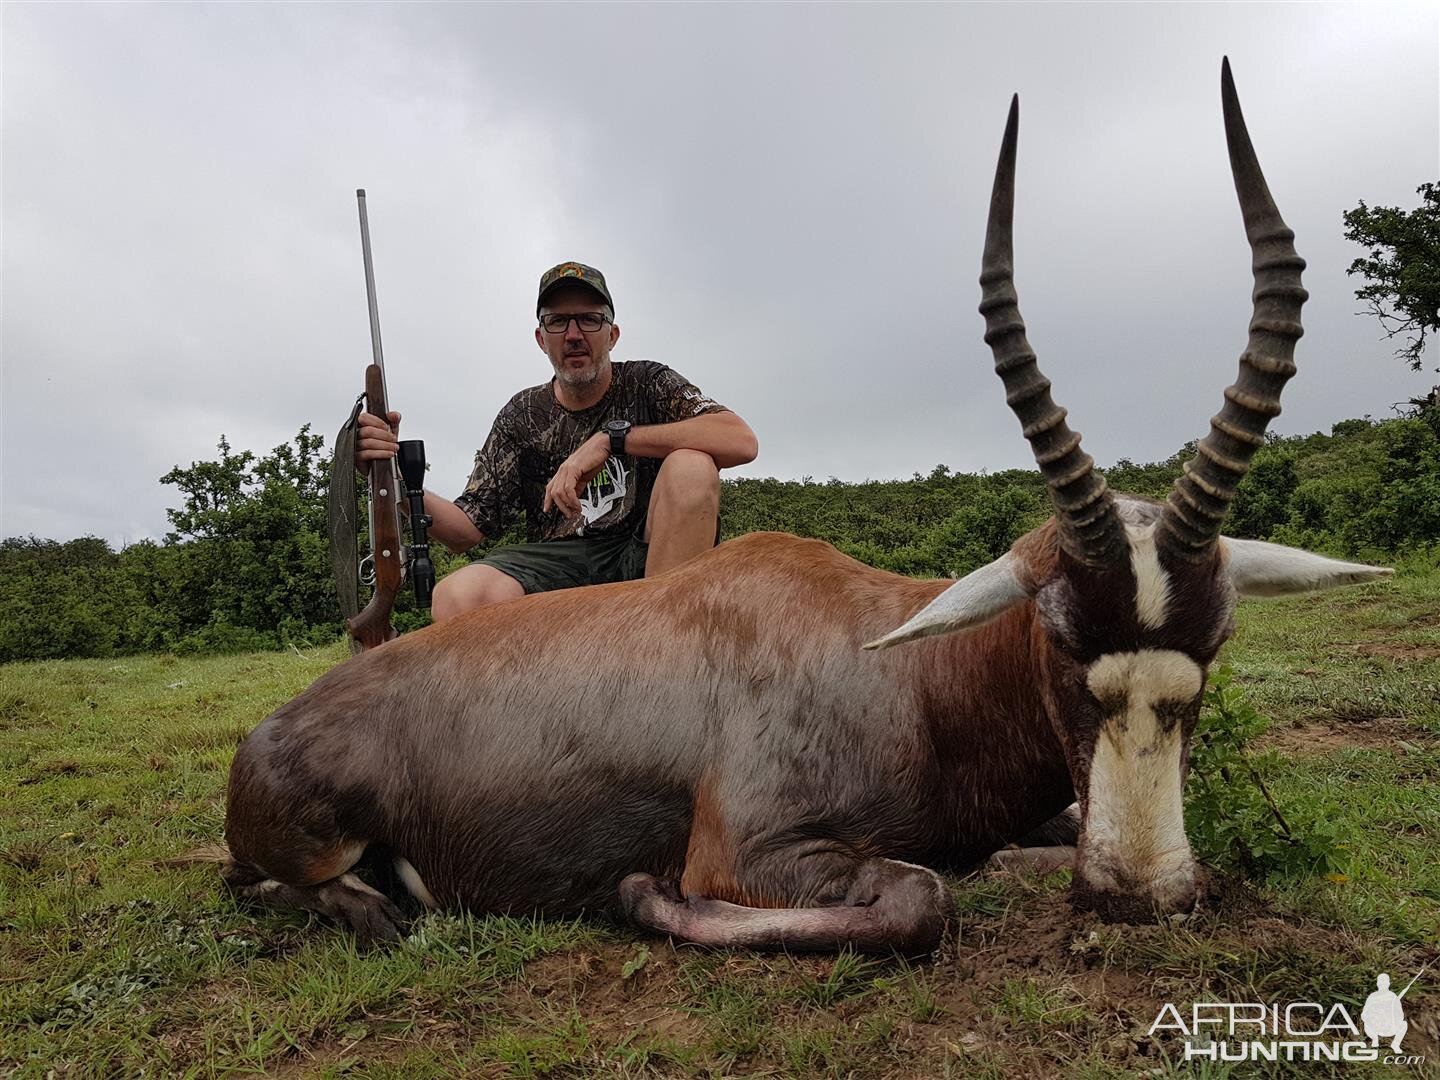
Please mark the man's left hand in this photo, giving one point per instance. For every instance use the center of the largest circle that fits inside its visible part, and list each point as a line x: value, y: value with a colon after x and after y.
x: 563, y: 491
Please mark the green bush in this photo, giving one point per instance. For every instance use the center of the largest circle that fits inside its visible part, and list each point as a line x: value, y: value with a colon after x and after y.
x: 246, y: 564
x: 1231, y: 817
x: 1366, y: 487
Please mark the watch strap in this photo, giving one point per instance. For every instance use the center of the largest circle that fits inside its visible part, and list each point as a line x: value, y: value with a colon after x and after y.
x: 617, y: 438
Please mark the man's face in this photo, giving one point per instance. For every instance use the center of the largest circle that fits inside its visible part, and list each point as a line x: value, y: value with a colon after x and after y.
x: 579, y: 358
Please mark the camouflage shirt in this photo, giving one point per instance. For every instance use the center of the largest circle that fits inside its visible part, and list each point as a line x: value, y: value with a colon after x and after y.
x: 534, y: 434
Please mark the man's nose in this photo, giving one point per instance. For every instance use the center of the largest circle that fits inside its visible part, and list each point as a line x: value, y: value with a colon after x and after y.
x: 572, y: 330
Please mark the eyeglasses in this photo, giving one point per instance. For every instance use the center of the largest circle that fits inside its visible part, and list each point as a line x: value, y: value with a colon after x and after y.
x: 589, y: 322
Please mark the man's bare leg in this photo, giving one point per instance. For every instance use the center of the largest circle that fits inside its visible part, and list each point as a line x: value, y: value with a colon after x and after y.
x: 471, y: 587
x: 684, y: 507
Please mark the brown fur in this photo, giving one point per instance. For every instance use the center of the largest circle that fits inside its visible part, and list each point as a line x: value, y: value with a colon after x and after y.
x: 710, y: 857
x: 718, y: 725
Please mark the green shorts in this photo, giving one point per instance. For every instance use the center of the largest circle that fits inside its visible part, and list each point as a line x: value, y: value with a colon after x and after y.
x: 568, y: 564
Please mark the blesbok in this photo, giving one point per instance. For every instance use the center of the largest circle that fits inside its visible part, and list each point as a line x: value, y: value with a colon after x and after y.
x: 719, y: 754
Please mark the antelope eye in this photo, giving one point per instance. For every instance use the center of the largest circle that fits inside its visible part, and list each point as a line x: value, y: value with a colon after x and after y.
x: 1112, y: 701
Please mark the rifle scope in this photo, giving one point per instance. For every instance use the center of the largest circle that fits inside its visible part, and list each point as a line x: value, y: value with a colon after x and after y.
x: 412, y: 468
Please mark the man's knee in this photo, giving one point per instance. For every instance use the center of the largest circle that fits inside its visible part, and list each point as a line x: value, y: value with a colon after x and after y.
x: 689, y: 481
x: 471, y: 587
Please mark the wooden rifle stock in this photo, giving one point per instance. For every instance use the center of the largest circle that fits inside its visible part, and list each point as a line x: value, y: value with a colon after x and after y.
x: 372, y: 626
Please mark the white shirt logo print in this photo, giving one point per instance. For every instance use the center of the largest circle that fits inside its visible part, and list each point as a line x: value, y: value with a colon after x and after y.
x: 604, y: 491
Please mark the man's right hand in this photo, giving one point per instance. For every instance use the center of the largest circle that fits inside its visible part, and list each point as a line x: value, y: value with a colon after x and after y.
x: 375, y: 440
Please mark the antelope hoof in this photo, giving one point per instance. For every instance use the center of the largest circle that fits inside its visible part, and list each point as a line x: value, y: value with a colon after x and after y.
x: 641, y: 895
x: 370, y: 914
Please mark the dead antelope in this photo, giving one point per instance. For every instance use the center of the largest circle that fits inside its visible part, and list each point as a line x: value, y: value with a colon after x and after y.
x: 719, y: 754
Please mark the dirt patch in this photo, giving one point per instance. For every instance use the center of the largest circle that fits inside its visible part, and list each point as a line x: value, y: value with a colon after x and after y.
x: 1036, y: 940
x: 339, y: 1058
x: 1394, y: 650
x: 617, y: 1006
x: 1344, y: 732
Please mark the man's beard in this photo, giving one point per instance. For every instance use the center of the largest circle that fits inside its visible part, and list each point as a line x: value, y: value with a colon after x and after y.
x: 581, y: 379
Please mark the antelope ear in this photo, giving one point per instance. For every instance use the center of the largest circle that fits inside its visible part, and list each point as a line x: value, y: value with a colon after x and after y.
x: 976, y: 598
x: 1260, y: 569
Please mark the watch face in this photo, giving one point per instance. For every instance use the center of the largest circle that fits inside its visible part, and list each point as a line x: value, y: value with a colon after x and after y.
x: 617, y: 430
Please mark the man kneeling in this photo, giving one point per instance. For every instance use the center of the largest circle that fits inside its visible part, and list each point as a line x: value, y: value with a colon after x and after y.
x: 614, y: 463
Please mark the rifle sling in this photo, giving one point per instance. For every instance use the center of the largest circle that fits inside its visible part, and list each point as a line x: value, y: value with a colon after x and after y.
x: 344, y: 517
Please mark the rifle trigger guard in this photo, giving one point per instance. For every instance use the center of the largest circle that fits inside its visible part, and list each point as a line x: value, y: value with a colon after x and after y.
x: 367, y: 570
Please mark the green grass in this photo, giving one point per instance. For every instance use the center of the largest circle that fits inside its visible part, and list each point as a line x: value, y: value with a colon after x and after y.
x: 113, y: 965
x: 1349, y: 656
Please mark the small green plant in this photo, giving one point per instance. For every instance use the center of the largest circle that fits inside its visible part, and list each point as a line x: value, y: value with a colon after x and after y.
x: 1030, y: 1004
x: 1231, y: 817
x: 632, y: 966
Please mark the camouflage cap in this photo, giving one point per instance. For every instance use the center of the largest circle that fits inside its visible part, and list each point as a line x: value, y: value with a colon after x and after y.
x: 573, y: 271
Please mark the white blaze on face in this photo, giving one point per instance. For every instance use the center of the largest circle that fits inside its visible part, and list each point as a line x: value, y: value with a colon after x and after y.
x: 1152, y: 583
x: 1135, y: 826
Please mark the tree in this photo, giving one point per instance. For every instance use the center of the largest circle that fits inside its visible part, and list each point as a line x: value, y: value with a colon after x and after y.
x: 1403, y: 268
x: 253, y: 533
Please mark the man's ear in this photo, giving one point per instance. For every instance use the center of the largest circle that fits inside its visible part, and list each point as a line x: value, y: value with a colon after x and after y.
x: 614, y: 334
x: 539, y: 339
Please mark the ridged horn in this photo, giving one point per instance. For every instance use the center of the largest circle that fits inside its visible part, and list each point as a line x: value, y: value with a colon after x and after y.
x: 1202, y: 494
x: 1090, y: 529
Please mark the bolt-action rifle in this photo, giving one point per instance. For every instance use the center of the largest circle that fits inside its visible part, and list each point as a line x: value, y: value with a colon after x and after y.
x: 389, y: 560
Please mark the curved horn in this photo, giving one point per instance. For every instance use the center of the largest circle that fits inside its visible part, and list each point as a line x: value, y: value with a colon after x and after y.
x: 1090, y: 529
x: 1203, y: 492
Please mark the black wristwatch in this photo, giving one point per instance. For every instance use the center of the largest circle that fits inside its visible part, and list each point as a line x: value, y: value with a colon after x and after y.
x: 617, y: 430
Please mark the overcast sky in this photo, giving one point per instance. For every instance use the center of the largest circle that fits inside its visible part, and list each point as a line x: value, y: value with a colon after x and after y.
x: 787, y: 200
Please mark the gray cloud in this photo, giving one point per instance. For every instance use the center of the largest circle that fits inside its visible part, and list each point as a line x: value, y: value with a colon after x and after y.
x: 788, y: 201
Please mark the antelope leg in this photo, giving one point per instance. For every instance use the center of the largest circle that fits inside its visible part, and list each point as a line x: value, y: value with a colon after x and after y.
x: 346, y: 899
x: 1034, y: 860
x: 890, y: 907
x: 1063, y: 830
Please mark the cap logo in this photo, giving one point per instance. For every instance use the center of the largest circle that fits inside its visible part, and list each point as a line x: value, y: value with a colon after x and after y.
x: 573, y: 271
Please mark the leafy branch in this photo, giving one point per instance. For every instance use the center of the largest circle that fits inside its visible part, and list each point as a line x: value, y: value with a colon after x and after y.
x: 1231, y: 815
x: 1402, y: 270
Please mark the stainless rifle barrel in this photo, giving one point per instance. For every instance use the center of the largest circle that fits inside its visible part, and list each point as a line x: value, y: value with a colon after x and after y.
x: 370, y: 282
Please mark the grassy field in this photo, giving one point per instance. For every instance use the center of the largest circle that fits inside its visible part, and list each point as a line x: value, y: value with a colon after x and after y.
x: 114, y: 965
